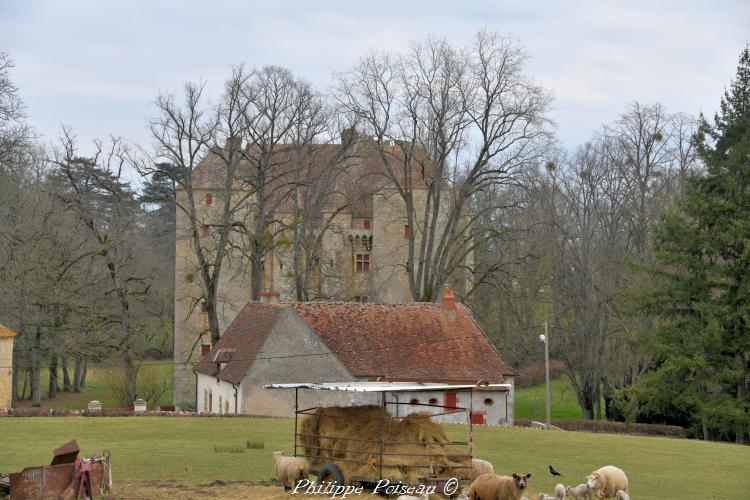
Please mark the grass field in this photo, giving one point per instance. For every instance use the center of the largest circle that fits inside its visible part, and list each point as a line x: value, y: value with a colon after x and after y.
x: 530, y: 401
x: 96, y: 389
x: 182, y: 449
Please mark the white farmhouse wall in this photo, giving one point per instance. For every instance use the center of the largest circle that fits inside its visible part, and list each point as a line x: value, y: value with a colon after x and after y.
x: 495, y: 413
x: 219, y: 393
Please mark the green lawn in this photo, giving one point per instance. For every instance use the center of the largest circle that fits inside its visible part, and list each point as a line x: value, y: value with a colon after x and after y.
x: 182, y: 448
x: 530, y: 401
x: 97, y: 388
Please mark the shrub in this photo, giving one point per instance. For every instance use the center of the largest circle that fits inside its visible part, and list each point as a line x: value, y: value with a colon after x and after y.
x: 610, y: 427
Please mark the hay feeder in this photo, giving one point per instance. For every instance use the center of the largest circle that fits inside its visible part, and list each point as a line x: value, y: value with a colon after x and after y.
x: 363, y: 445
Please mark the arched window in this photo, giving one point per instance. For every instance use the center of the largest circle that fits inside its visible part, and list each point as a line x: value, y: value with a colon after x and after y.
x: 489, y: 402
x: 220, y: 405
x: 414, y: 401
x: 226, y: 406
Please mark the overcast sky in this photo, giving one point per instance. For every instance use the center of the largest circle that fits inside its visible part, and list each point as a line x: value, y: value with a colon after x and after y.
x: 98, y: 65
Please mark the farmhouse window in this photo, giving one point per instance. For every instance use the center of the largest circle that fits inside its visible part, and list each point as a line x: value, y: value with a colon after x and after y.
x: 220, y: 405
x: 363, y: 263
x: 414, y: 401
x: 407, y: 230
x: 209, y: 199
x: 489, y: 402
x: 205, y: 401
x: 205, y: 230
x: 433, y: 401
x: 367, y: 224
x: 210, y: 401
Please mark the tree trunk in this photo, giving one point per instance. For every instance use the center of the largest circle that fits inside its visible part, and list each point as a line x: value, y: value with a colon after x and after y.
x: 77, y: 371
x: 84, y: 371
x: 26, y: 380
x: 66, y: 375
x: 740, y: 427
x: 53, y: 383
x: 14, y: 379
x: 706, y: 430
x: 130, y: 378
x: 36, y: 389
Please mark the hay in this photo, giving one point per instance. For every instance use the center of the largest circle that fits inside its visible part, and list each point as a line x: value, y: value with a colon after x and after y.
x: 328, y: 433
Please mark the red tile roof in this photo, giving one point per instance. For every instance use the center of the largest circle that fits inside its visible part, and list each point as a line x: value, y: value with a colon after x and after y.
x: 241, y: 342
x: 415, y: 341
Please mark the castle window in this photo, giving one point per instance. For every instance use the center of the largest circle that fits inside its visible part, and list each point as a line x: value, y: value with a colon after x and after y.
x: 204, y: 307
x: 367, y: 224
x: 205, y: 230
x: 363, y: 263
x: 209, y: 199
x: 189, y: 277
x: 407, y: 230
x: 361, y: 298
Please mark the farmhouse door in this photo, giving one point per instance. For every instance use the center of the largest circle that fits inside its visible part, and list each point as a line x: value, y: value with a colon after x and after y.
x: 478, y: 417
x: 451, y: 399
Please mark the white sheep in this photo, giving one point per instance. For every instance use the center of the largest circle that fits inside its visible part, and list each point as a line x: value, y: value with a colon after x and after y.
x: 621, y: 495
x: 479, y: 467
x: 544, y: 496
x: 289, y: 470
x: 560, y: 491
x: 580, y: 492
x: 605, y: 481
x: 423, y: 496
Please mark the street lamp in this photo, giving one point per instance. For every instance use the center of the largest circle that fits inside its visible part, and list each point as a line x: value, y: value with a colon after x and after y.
x: 545, y: 338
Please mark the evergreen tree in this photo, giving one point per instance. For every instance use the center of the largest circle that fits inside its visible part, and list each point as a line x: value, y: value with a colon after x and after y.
x: 702, y: 287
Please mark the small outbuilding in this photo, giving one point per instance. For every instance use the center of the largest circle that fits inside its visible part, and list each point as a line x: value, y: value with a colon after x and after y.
x: 6, y: 367
x: 271, y: 342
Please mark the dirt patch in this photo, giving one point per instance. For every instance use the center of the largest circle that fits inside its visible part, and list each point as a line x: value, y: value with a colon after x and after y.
x: 214, y: 489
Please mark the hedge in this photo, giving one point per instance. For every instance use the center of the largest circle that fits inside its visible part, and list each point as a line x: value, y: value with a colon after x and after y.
x: 609, y: 427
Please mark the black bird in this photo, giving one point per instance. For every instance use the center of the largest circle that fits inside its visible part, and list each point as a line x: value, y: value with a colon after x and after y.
x: 553, y: 471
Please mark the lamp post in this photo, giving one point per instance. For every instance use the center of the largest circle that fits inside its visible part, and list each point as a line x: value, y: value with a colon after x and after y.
x: 545, y: 338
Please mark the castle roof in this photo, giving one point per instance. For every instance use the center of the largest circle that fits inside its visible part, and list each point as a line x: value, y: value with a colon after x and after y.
x: 406, y: 342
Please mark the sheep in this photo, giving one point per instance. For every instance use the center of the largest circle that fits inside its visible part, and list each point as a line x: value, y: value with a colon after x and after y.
x: 494, y: 487
x: 605, y: 481
x: 544, y: 496
x: 621, y: 495
x: 580, y: 492
x: 560, y: 491
x: 423, y: 496
x: 289, y: 470
x: 479, y: 467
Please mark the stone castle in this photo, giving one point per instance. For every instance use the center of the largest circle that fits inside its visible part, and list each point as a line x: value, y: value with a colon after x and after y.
x: 363, y: 256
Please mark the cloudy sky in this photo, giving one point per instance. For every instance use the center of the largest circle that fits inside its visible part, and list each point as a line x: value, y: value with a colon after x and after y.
x: 98, y: 65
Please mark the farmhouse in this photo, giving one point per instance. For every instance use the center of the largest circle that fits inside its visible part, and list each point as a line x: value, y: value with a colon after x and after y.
x: 274, y: 342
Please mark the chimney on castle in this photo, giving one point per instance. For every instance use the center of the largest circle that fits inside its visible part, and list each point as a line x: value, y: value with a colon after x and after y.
x: 270, y: 297
x: 449, y: 299
x: 233, y: 144
x: 348, y: 136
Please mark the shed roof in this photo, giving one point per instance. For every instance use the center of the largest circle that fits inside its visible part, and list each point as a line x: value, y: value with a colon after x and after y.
x: 387, y: 386
x: 6, y: 332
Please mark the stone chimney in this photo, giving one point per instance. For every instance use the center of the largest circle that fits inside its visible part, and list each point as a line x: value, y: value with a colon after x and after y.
x: 449, y: 299
x: 233, y: 144
x: 270, y: 297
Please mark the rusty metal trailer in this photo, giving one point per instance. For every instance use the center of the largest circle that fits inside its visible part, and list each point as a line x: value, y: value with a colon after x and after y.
x: 331, y: 472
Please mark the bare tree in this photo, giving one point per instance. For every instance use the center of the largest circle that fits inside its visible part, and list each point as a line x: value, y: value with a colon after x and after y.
x: 449, y: 122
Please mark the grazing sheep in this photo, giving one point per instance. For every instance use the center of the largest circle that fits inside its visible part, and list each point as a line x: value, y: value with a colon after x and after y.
x: 605, y: 482
x: 479, y: 467
x: 494, y: 487
x: 289, y: 470
x: 580, y: 492
x: 560, y: 491
x: 621, y: 495
x: 544, y: 496
x: 423, y: 496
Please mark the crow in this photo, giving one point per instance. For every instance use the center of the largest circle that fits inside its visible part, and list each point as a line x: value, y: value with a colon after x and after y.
x: 553, y: 471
